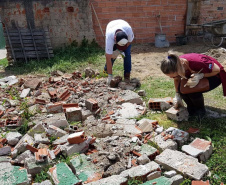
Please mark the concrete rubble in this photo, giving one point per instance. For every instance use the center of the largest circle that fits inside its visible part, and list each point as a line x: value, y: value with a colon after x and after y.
x: 84, y: 132
x: 184, y: 164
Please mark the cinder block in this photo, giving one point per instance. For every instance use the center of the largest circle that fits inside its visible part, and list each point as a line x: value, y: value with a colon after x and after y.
x: 74, y: 114
x: 182, y: 163
x: 91, y: 104
x: 54, y: 108
x: 76, y: 138
x: 180, y: 114
x: 160, y: 103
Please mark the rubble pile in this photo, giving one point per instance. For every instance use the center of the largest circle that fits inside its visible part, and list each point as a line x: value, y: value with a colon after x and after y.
x: 81, y: 131
x: 219, y: 54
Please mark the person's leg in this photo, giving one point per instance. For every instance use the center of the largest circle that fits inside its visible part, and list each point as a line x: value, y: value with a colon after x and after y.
x: 127, y: 63
x: 196, y: 102
x: 190, y: 107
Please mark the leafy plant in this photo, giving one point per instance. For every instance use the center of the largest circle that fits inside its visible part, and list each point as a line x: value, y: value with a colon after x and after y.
x: 186, y: 182
x: 134, y: 181
x: 42, y: 176
x: 24, y: 127
x: 25, y: 108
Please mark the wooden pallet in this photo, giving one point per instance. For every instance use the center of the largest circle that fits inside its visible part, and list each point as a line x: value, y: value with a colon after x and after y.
x: 26, y: 44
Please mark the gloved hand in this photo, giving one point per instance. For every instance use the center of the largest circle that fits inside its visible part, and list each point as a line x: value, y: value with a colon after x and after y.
x: 194, y: 80
x: 177, y: 101
x: 110, y: 77
x: 116, y: 54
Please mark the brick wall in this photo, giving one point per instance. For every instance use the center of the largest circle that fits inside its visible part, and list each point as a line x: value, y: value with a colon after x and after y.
x: 141, y: 15
x: 212, y: 10
x: 67, y: 20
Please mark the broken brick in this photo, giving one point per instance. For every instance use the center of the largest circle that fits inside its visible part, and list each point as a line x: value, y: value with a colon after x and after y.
x: 54, y: 108
x: 65, y: 95
x: 40, y: 101
x: 91, y: 104
x: 32, y: 83
x: 31, y: 148
x: 41, y: 155
x: 76, y: 138
x: 200, y: 183
x: 69, y: 105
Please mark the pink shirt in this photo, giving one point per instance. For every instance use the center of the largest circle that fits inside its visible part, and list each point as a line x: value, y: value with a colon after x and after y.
x: 199, y: 61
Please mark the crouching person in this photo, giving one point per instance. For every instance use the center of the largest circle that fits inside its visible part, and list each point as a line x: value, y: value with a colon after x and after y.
x: 193, y: 67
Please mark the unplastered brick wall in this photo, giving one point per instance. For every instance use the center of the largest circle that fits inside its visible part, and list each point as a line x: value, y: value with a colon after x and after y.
x: 67, y: 21
x: 212, y: 10
x: 141, y: 15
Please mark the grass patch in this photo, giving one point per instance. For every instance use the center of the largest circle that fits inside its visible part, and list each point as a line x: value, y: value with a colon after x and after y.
x: 68, y: 59
x: 3, y: 62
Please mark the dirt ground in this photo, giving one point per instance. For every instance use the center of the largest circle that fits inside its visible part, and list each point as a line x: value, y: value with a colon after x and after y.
x: 146, y: 58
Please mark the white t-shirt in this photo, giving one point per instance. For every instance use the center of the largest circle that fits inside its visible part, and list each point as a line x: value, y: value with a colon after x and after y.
x: 110, y: 33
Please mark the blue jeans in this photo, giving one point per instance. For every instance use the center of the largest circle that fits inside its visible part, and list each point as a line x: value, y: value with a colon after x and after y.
x: 127, y: 61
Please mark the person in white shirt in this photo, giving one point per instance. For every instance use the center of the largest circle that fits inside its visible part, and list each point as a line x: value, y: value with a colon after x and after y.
x: 119, y: 36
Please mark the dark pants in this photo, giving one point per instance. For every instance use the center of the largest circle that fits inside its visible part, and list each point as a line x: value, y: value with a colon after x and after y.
x: 195, y: 101
x: 127, y: 60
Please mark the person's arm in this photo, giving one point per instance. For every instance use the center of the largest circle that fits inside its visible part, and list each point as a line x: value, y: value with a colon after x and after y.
x: 215, y: 71
x: 109, y: 64
x: 176, y: 83
x: 177, y: 100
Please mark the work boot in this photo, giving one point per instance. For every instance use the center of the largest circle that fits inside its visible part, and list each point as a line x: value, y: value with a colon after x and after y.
x: 127, y: 77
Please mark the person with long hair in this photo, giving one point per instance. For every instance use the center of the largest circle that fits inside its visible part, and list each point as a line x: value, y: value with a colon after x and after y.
x: 194, y: 67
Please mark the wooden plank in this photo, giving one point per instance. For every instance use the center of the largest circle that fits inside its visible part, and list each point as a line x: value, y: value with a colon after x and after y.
x: 34, y: 56
x: 25, y: 37
x: 25, y: 34
x: 29, y: 41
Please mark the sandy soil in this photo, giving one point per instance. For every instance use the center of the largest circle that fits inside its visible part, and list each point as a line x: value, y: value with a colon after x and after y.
x: 146, y: 58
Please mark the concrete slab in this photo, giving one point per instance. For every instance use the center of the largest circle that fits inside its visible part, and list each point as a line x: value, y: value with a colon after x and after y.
x: 182, y: 163
x: 141, y: 171
x: 61, y: 174
x: 159, y: 181
x: 13, y: 175
x: 130, y: 96
x: 112, y: 180
x: 85, y: 170
x: 168, y: 144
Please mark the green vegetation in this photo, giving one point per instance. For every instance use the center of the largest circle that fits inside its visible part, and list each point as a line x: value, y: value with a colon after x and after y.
x: 134, y: 181
x: 42, y: 176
